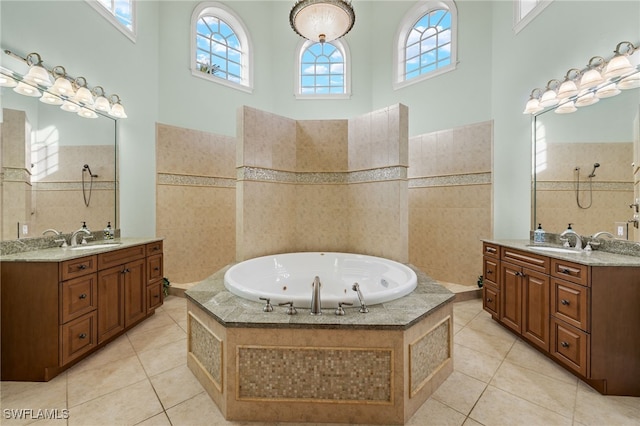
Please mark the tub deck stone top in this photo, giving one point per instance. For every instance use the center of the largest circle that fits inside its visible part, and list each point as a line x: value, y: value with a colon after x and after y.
x: 400, y: 314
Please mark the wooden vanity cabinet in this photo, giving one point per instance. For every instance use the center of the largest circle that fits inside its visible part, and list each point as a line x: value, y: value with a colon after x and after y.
x: 56, y: 313
x: 586, y: 318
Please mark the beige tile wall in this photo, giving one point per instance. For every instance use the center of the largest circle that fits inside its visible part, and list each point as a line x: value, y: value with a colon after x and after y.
x: 450, y: 199
x: 195, y: 201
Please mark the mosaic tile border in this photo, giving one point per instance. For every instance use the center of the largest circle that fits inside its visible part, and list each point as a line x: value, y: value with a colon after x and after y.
x: 452, y: 180
x: 571, y: 186
x: 320, y: 374
x: 212, y: 350
x: 189, y: 180
x: 10, y: 174
x: 279, y: 176
x: 73, y: 186
x: 427, y: 356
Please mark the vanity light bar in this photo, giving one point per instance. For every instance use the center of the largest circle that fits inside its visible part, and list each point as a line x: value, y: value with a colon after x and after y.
x: 71, y: 94
x: 582, y: 87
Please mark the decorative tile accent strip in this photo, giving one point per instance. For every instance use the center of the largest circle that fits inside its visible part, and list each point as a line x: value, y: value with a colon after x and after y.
x: 571, y: 186
x: 15, y: 175
x: 72, y: 186
x: 206, y: 348
x: 325, y: 374
x: 453, y: 180
x: 375, y: 175
x: 176, y: 179
x: 428, y: 354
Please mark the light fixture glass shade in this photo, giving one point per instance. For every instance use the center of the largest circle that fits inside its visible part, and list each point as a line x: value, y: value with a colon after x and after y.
x: 50, y: 98
x: 27, y: 90
x: 630, y: 82
x: 87, y: 113
x: 591, y: 78
x: 117, y: 111
x: 566, y: 108
x: 102, y: 104
x: 589, y: 98
x: 617, y: 66
x: 38, y: 75
x: 607, y: 91
x: 322, y: 20
x: 567, y: 89
x: 533, y: 106
x: 70, y: 106
x: 83, y: 95
x: 6, y: 81
x: 548, y: 98
x: 62, y: 87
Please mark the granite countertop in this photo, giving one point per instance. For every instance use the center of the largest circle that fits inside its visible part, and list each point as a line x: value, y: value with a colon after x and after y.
x: 59, y: 254
x: 592, y: 258
x: 233, y: 311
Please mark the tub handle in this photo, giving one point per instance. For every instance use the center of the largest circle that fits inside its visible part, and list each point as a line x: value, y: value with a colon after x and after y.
x: 340, y: 310
x: 267, y: 307
x: 291, y: 310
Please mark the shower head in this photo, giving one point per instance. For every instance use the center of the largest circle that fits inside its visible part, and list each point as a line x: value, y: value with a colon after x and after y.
x: 593, y: 172
x: 88, y: 169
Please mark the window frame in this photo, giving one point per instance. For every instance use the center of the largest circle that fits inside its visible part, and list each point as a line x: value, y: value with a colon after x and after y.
x: 407, y: 23
x: 343, y: 47
x: 520, y: 22
x: 110, y: 16
x: 226, y: 14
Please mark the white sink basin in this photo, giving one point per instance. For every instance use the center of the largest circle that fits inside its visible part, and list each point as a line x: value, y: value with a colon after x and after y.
x: 556, y: 249
x: 95, y: 246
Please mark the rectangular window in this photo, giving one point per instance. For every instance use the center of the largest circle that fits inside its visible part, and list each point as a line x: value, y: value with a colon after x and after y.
x: 524, y: 11
x: 120, y: 13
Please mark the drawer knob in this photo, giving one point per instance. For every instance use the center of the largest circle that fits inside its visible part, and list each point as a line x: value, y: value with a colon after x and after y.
x: 564, y: 344
x: 83, y: 335
x: 83, y: 266
x: 565, y: 271
x: 489, y: 299
x: 156, y: 296
x: 564, y: 302
x: 83, y: 296
x: 489, y: 271
x: 156, y: 268
x: 520, y: 274
x: 125, y: 270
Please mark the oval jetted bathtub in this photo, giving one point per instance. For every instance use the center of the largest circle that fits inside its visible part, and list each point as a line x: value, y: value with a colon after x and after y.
x: 288, y: 278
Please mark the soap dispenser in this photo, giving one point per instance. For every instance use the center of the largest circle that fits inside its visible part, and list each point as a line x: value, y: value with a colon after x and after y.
x: 538, y: 235
x: 108, y: 232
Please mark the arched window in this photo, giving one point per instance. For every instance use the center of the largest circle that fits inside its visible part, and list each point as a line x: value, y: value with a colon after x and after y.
x: 426, y: 42
x: 220, y: 46
x: 323, y: 70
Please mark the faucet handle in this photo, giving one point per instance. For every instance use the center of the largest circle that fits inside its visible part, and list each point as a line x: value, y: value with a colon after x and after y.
x: 267, y: 307
x: 291, y: 310
x: 340, y: 310
x: 61, y: 240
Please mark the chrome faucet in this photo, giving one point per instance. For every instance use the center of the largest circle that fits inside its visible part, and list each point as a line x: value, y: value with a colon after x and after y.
x: 594, y: 239
x: 605, y: 233
x: 316, y: 305
x: 565, y: 237
x: 74, y: 236
x: 51, y: 230
x: 363, y: 306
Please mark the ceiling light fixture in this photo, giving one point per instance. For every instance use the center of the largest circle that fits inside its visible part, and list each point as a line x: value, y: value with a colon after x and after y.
x: 600, y: 79
x: 322, y: 20
x: 72, y: 94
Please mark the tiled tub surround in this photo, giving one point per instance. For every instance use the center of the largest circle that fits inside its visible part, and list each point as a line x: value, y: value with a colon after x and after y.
x: 450, y: 198
x: 374, y: 368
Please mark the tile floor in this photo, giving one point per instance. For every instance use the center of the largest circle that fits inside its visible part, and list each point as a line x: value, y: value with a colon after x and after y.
x: 142, y: 379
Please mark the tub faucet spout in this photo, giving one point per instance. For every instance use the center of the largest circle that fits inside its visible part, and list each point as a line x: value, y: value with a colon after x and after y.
x: 316, y: 305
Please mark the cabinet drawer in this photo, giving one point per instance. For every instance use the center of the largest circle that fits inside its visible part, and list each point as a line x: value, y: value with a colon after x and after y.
x: 118, y: 257
x: 570, y: 303
x: 154, y: 248
x: 78, y: 297
x: 525, y: 259
x: 154, y: 268
x: 154, y: 295
x: 77, y: 267
x: 78, y: 337
x: 490, y: 270
x: 492, y: 250
x: 569, y: 346
x: 570, y: 271
x: 490, y: 301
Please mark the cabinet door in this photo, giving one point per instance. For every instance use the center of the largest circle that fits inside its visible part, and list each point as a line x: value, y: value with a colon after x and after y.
x: 110, y: 303
x: 511, y: 297
x: 135, y: 292
x: 535, y: 308
x: 490, y: 299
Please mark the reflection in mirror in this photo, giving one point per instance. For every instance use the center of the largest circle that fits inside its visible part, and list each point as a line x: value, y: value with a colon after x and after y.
x: 44, y: 151
x: 583, y: 167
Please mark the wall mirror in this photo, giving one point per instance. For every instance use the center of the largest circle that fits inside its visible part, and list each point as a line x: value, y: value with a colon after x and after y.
x: 582, y: 167
x: 58, y: 169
